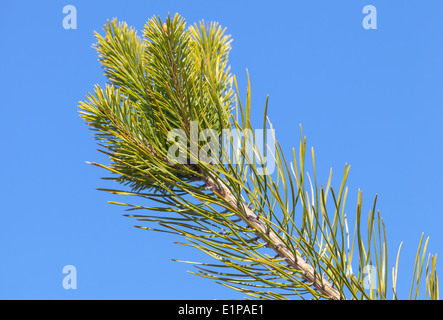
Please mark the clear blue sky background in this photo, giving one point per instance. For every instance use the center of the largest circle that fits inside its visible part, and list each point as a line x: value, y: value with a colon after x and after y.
x: 369, y: 98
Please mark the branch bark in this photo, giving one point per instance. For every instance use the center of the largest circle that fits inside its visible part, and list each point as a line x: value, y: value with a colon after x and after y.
x: 321, y: 284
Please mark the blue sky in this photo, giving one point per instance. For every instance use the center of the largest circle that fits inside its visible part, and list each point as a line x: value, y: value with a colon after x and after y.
x: 369, y: 98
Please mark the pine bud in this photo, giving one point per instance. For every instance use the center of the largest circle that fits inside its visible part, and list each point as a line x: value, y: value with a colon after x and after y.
x: 165, y: 28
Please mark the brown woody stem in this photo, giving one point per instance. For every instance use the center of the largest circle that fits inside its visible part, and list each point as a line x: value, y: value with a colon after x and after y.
x: 274, y: 242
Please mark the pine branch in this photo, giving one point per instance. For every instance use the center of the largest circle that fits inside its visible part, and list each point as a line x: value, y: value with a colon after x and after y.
x: 175, y: 80
x: 273, y: 241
